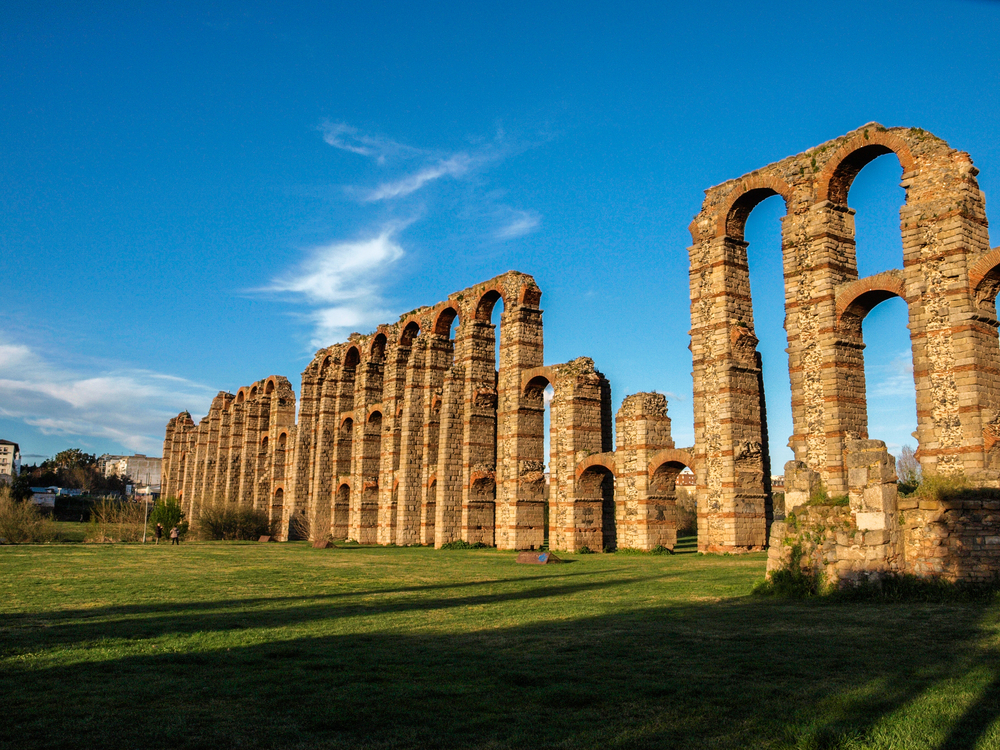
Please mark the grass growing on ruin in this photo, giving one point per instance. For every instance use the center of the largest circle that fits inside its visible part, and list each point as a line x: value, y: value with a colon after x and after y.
x: 281, y: 645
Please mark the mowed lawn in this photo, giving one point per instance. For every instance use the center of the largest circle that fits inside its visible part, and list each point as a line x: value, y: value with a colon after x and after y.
x: 281, y: 645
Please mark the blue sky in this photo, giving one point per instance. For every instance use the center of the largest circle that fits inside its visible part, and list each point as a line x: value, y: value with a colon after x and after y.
x: 197, y: 196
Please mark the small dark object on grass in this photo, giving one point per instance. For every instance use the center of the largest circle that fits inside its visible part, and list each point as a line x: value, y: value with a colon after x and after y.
x: 325, y: 544
x: 537, y: 558
x: 264, y: 538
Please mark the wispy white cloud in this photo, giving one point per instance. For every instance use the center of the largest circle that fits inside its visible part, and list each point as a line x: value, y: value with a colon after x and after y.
x: 130, y: 406
x: 453, y: 166
x: 519, y: 224
x: 424, y: 166
x: 347, y: 278
x: 347, y: 138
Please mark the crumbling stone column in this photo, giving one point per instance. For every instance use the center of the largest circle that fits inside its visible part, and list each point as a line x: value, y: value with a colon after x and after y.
x: 645, y: 493
x: 575, y: 517
x: 800, y: 483
x: 521, y: 348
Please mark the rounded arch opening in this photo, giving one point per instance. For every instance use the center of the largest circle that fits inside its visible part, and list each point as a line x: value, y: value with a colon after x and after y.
x: 269, y: 388
x: 446, y: 326
x: 377, y: 351
x: 597, y: 485
x: 351, y: 358
x: 766, y: 310
x: 868, y: 182
x: 672, y: 492
x: 409, y: 333
x: 889, y: 388
x: 743, y: 206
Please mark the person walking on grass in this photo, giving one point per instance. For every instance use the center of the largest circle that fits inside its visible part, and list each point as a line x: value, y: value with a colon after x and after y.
x: 159, y: 532
x: 174, y: 536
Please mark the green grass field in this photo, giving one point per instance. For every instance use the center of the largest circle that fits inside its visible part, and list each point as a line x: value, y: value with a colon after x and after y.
x: 280, y: 645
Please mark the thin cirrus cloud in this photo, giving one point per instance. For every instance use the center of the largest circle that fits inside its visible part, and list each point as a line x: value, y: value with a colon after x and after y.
x: 129, y: 406
x: 519, y: 224
x: 427, y: 166
x: 453, y: 166
x: 346, y: 278
x: 347, y: 138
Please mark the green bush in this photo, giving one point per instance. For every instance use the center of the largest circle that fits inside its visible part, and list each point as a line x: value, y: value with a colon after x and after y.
x: 791, y: 581
x: 21, y: 521
x: 231, y: 522
x: 462, y: 544
x: 167, y: 512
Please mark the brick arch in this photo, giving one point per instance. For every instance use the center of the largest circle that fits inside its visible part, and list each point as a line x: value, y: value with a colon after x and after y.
x: 270, y: 384
x: 372, y: 410
x: 732, y: 219
x: 346, y: 417
x: 377, y: 346
x: 324, y: 361
x: 545, y: 373
x: 408, y: 330
x: 352, y: 358
x: 984, y: 276
x: 834, y: 181
x: 444, y: 319
x: 671, y: 456
x: 487, y: 300
x: 607, y: 460
x: 858, y: 298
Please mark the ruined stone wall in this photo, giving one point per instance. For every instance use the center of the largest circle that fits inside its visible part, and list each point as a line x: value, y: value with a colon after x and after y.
x: 409, y: 435
x: 416, y: 434
x: 236, y: 454
x: 876, y: 533
x: 949, y: 282
x: 957, y: 538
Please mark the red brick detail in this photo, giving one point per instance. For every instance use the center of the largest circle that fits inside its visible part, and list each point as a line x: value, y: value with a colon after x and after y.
x: 859, y: 297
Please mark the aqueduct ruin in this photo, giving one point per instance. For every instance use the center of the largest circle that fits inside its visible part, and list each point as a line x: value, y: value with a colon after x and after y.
x: 416, y: 434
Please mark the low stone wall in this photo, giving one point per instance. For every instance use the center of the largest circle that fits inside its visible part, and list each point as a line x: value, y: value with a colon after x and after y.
x: 957, y: 538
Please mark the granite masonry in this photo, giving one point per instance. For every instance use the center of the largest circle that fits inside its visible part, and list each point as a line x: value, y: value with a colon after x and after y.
x: 415, y: 434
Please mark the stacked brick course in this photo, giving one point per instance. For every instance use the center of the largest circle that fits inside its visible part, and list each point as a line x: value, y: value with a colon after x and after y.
x: 416, y: 434
x: 236, y: 453
x: 949, y: 281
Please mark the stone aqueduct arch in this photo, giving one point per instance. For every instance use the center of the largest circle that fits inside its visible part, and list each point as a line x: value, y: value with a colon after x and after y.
x: 414, y: 434
x: 238, y: 453
x: 949, y: 282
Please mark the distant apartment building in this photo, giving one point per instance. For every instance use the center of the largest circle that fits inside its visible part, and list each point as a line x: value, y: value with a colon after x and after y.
x: 144, y: 471
x: 10, y: 460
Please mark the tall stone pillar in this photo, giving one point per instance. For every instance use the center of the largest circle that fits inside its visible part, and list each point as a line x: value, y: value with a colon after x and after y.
x: 646, y: 512
x: 521, y: 348
x: 577, y: 431
x: 727, y: 400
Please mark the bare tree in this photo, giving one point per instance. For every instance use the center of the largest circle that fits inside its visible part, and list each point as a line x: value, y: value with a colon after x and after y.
x: 907, y: 466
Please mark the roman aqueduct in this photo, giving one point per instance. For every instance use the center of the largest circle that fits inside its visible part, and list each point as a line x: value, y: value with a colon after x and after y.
x: 418, y: 433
